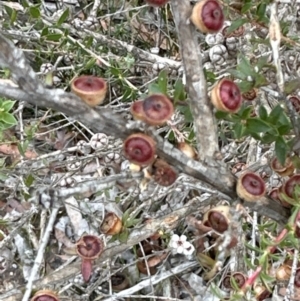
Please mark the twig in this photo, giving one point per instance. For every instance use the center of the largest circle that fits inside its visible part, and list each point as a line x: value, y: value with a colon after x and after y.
x: 40, y: 254
x: 135, y: 51
x: 154, y: 280
x: 24, y: 219
x: 275, y: 37
x: 290, y: 288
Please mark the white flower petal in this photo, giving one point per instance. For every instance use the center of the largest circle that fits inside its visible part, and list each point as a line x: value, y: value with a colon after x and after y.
x: 173, y: 244
x: 180, y: 249
x: 186, y: 244
x: 182, y: 238
x: 174, y: 237
x: 189, y: 251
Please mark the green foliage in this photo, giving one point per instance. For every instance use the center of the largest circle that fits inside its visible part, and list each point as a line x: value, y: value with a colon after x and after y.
x: 266, y: 127
x: 34, y: 12
x: 128, y: 221
x: 160, y: 85
x: 236, y: 24
x: 64, y: 16
x: 245, y: 69
x: 12, y: 13
x: 7, y: 119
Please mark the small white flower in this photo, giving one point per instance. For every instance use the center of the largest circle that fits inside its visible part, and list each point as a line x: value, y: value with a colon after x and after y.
x: 180, y: 245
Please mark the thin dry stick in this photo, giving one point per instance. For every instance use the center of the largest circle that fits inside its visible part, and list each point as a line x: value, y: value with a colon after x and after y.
x: 154, y: 280
x: 40, y: 255
x: 290, y: 288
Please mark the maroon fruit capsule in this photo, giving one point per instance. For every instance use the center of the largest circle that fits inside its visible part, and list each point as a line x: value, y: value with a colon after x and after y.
x: 289, y: 187
x: 250, y: 187
x: 217, y: 218
x: 111, y: 224
x: 163, y: 173
x: 88, y: 247
x: 208, y: 16
x: 283, y: 170
x: 226, y: 96
x: 90, y: 89
x: 139, y: 149
x: 45, y: 295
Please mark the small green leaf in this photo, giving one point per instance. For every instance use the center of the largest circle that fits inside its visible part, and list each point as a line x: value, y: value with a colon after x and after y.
x: 34, y: 12
x: 216, y: 291
x: 186, y: 111
x: 296, y: 161
x: 45, y: 31
x: 262, y: 62
x: 21, y: 150
x: 235, y: 25
x: 154, y: 88
x: 3, y: 176
x: 91, y: 62
x: 291, y: 86
x: 268, y: 138
x: 4, y: 126
x: 237, y: 74
x: 163, y: 81
x: 29, y: 180
x: 246, y: 7
x: 63, y: 17
x: 123, y: 236
x: 8, y: 118
x: 263, y: 113
x: 132, y: 222
x: 234, y: 284
x: 283, y: 129
x: 245, y: 112
x: 266, y: 277
x: 179, y: 92
x: 125, y: 216
x: 284, y: 120
x: 281, y: 149
x: 24, y: 3
x: 12, y: 13
x: 54, y: 37
x: 209, y: 76
x: 171, y: 136
x: 114, y: 71
x: 249, y: 264
x: 7, y: 105
x: 259, y: 80
x: 275, y: 114
x: 261, y: 10
x: 128, y: 94
x: 221, y: 115
x: 252, y: 248
x: 244, y: 66
x: 238, y: 130
x: 256, y: 125
x: 245, y: 86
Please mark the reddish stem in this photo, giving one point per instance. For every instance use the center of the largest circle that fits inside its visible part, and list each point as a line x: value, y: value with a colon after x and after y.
x: 249, y: 282
x: 271, y: 249
x: 86, y: 269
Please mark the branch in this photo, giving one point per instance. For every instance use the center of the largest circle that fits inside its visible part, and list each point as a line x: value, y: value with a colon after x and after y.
x: 204, y: 120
